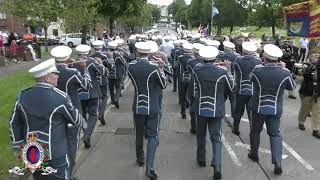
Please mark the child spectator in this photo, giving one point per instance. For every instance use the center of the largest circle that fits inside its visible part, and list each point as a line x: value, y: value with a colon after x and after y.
x: 13, y: 51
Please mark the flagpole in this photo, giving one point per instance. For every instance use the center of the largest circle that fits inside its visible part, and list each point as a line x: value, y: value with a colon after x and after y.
x: 211, y: 18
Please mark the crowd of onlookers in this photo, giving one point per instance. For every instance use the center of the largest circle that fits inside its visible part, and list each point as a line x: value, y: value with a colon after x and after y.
x: 15, y: 47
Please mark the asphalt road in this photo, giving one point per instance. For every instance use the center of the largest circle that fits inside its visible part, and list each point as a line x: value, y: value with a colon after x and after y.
x: 112, y: 155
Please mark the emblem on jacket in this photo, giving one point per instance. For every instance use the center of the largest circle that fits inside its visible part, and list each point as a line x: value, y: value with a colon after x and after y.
x: 33, y: 157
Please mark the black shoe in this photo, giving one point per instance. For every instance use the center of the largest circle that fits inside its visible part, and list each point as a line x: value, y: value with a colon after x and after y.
x: 217, y: 173
x: 140, y: 163
x: 184, y: 116
x: 117, y: 104
x: 236, y: 132
x: 193, y: 131
x: 292, y: 96
x: 151, y: 175
x: 202, y: 163
x: 277, y: 169
x: 86, y: 141
x: 301, y: 127
x: 253, y: 157
x: 316, y: 134
x: 103, y: 122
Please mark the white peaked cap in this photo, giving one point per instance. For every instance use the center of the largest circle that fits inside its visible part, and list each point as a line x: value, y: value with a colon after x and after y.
x: 61, y: 53
x: 167, y: 38
x: 154, y: 37
x: 143, y: 47
x: 154, y: 46
x: 203, y: 40
x: 214, y: 43
x: 208, y: 53
x: 187, y: 47
x: 132, y: 37
x: 197, y: 47
x: 159, y: 36
x: 120, y: 41
x: 174, y: 38
x: 196, y: 36
x: 83, y: 49
x: 143, y: 36
x: 272, y: 52
x: 176, y: 43
x: 249, y: 47
x: 228, y: 45
x: 97, y: 44
x: 44, y: 68
x: 113, y: 44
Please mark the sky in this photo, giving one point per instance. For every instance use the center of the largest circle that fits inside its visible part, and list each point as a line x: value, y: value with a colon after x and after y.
x: 164, y: 2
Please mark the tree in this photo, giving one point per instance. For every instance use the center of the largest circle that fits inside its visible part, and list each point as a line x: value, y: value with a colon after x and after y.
x: 80, y: 13
x: 40, y: 13
x: 119, y: 8
x: 147, y: 16
x: 179, y: 11
x: 231, y: 13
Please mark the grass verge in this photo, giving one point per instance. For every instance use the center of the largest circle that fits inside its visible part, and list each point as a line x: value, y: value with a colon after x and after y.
x: 10, y: 86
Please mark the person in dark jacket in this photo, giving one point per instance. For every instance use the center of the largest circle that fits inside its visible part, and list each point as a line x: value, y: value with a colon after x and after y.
x: 309, y: 95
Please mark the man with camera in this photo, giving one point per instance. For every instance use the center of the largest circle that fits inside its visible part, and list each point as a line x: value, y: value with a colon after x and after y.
x: 309, y: 94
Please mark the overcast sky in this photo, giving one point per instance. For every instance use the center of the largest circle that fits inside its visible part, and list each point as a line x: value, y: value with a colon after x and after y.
x: 164, y: 2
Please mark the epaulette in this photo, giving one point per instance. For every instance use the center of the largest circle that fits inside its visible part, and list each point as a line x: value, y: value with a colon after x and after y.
x: 133, y: 62
x: 152, y: 63
x: 58, y: 91
x: 259, y: 66
x: 285, y: 69
x: 222, y: 67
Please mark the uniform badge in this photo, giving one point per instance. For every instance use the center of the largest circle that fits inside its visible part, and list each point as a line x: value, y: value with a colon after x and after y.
x: 33, y: 157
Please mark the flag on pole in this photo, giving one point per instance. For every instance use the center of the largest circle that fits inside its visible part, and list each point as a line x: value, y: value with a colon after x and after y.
x: 214, y: 9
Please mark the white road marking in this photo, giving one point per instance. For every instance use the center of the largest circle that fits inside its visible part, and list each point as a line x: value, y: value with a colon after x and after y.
x: 290, y: 149
x: 297, y: 156
x: 267, y: 151
x: 230, y: 151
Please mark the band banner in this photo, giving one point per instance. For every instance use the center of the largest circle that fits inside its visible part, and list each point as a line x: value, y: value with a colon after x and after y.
x: 303, y: 19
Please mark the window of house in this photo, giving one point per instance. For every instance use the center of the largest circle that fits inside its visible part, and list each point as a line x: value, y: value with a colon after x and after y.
x: 55, y: 32
x: 3, y: 15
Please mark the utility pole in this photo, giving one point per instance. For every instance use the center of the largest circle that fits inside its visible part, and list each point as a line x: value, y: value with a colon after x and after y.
x: 213, y: 4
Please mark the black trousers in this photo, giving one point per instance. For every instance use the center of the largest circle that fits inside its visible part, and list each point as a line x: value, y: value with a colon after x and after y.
x: 115, y: 89
x: 302, y: 54
x: 174, y: 76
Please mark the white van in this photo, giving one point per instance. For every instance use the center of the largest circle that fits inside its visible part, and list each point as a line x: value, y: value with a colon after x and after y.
x: 74, y: 39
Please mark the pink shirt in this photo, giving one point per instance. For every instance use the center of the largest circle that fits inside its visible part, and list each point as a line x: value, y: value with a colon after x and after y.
x: 13, y: 49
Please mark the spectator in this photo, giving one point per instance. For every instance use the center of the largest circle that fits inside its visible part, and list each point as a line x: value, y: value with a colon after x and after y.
x: 13, y: 51
x: 2, y: 50
x: 11, y: 38
x: 304, y: 43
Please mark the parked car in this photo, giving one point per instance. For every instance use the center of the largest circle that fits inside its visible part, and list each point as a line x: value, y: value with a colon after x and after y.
x: 74, y: 39
x: 62, y: 39
x: 51, y: 41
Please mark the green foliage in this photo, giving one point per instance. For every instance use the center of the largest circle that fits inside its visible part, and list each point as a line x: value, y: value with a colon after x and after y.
x: 77, y: 14
x: 232, y: 13
x: 179, y: 11
x: 40, y: 13
x: 120, y: 8
x: 148, y: 15
x: 11, y: 85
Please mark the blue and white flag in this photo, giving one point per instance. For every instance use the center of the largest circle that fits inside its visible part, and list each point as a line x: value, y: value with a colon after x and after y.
x: 214, y: 9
